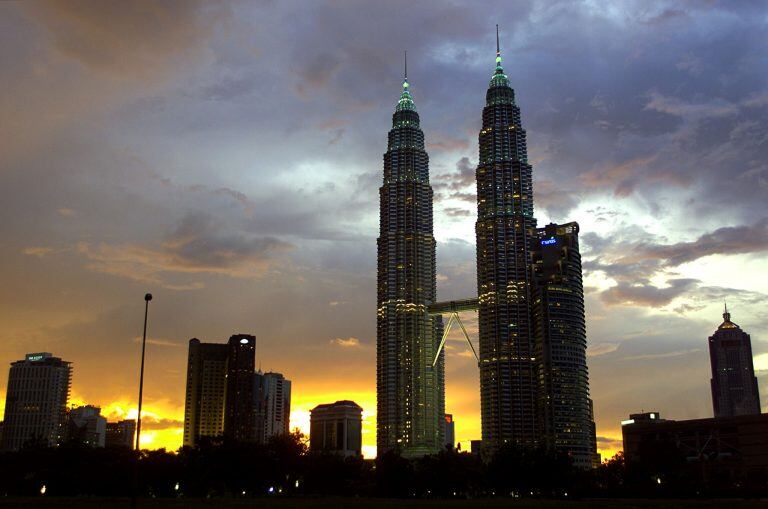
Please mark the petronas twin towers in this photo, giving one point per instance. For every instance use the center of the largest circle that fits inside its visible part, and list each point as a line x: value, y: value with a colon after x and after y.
x: 534, y: 388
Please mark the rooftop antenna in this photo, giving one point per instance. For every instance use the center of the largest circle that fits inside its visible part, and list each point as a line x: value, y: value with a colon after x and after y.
x: 405, y: 55
x: 498, y: 50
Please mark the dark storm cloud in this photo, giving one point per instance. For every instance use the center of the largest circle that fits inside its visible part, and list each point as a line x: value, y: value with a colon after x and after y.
x: 133, y: 40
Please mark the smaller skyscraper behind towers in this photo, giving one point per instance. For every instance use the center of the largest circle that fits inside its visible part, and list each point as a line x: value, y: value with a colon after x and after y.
x: 36, y: 401
x: 563, y: 405
x: 272, y: 405
x: 734, y: 385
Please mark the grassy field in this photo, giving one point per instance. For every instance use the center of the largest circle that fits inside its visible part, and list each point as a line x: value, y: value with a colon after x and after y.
x: 352, y: 503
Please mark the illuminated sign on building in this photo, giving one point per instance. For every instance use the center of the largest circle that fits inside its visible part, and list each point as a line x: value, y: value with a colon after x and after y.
x: 548, y: 242
x: 34, y: 357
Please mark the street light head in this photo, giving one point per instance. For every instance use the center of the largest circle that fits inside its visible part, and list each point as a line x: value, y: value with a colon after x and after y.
x: 148, y: 297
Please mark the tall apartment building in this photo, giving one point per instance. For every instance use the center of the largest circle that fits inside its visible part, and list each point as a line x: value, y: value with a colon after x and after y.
x: 36, y: 401
x: 239, y: 418
x: 337, y: 427
x: 734, y: 385
x: 206, y: 391
x: 560, y: 343
x: 272, y: 404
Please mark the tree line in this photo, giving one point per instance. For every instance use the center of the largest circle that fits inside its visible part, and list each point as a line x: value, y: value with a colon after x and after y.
x: 285, y: 467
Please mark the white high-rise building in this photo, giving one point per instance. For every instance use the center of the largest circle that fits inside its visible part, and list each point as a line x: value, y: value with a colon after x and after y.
x: 272, y: 395
x: 36, y: 401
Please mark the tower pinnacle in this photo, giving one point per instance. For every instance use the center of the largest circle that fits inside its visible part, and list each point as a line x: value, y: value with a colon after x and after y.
x: 726, y: 314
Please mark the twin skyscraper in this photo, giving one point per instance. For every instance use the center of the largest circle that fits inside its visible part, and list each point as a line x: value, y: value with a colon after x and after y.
x: 534, y: 385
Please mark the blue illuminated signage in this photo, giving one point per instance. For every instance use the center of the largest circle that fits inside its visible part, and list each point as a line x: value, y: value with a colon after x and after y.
x: 549, y: 242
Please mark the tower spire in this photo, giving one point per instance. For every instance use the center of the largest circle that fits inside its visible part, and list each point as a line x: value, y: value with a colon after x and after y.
x: 498, y: 50
x: 726, y: 314
x: 405, y: 58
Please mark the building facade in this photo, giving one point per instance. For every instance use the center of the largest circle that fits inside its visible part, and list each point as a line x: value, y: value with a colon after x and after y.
x: 36, y: 401
x: 206, y: 391
x: 504, y: 218
x: 449, y: 431
x: 409, y: 389
x: 733, y: 383
x: 272, y: 405
x: 239, y: 417
x: 337, y: 427
x: 87, y: 426
x: 560, y: 343
x: 121, y: 434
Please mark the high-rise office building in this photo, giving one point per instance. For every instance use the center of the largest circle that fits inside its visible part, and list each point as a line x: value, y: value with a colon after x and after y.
x: 409, y: 389
x: 239, y: 417
x: 121, y: 434
x: 206, y: 391
x: 36, y: 401
x: 87, y: 426
x: 560, y: 343
x: 734, y: 385
x: 272, y: 405
x: 337, y: 427
x: 504, y: 217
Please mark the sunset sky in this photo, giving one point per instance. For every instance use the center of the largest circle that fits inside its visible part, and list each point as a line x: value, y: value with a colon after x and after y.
x: 227, y: 157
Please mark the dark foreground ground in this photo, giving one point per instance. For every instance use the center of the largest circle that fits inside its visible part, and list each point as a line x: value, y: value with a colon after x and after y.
x: 352, y: 503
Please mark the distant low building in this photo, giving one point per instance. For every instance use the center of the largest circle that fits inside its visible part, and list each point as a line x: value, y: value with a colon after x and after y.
x: 337, y: 427
x: 449, y: 432
x: 121, y: 433
x: 36, y: 401
x: 734, y: 448
x: 476, y: 446
x: 87, y: 426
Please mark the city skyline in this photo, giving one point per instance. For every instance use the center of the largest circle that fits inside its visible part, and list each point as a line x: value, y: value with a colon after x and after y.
x: 249, y: 203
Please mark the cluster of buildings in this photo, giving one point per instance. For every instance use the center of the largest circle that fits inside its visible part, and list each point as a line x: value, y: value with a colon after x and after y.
x: 227, y: 396
x: 37, y: 411
x: 733, y: 443
x: 534, y: 384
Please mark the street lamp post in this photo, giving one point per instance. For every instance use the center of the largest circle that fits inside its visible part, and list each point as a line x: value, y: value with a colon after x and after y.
x: 147, y: 298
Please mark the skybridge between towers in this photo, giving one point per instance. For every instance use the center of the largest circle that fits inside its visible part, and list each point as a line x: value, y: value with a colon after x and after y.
x: 453, y: 308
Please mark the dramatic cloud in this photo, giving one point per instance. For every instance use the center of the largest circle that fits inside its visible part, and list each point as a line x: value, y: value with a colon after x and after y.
x: 346, y: 343
x: 235, y: 150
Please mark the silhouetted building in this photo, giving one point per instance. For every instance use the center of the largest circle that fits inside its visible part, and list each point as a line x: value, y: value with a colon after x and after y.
x: 734, y: 385
x: 337, y: 427
x: 239, y: 417
x: 272, y: 405
x: 409, y: 389
x: 734, y: 449
x: 504, y: 218
x: 449, y: 431
x: 559, y: 328
x: 206, y: 391
x: 87, y: 426
x: 121, y: 434
x: 476, y: 446
x: 36, y: 401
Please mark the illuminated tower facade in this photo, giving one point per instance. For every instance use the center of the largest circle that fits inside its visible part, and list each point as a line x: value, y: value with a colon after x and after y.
x: 504, y: 217
x: 734, y: 385
x: 409, y: 389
